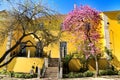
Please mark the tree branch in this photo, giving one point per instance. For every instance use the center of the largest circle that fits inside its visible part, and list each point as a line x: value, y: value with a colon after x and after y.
x: 8, y: 61
x: 32, y: 45
x: 13, y: 47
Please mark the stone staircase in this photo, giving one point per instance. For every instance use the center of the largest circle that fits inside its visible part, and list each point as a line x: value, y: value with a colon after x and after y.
x: 52, y: 70
x: 53, y: 62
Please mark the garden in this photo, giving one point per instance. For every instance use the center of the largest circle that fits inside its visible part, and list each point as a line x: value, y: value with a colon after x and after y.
x: 84, y: 70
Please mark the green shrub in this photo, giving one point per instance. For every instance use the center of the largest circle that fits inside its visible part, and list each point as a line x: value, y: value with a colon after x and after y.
x: 118, y: 72
x: 108, y: 72
x: 19, y: 75
x: 65, y: 75
x: 11, y: 73
x: 24, y: 75
x: 35, y: 75
x: 71, y: 75
x: 3, y: 72
x: 29, y: 76
x: 88, y: 74
x: 78, y: 75
x: 111, y: 72
x: 102, y: 72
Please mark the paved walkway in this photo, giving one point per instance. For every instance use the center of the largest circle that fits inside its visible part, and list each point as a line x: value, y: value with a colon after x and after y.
x: 86, y: 78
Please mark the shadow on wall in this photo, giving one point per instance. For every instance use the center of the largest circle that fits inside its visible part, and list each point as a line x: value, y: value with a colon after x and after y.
x: 11, y: 65
x: 103, y: 64
x: 75, y: 65
x: 115, y: 62
x: 23, y: 64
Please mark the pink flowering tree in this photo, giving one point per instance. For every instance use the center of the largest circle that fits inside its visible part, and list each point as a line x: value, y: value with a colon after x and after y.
x: 84, y: 23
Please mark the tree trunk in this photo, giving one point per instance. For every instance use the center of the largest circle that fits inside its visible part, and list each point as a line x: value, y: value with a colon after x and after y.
x: 97, y: 67
x: 12, y: 48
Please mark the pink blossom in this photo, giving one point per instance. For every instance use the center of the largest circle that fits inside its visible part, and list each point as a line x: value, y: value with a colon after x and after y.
x: 92, y: 51
x: 87, y: 56
x: 90, y: 44
x: 75, y: 22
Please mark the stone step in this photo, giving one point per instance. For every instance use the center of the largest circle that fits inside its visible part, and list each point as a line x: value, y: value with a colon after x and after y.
x: 53, y: 62
x: 49, y: 78
x: 51, y: 72
x: 51, y: 75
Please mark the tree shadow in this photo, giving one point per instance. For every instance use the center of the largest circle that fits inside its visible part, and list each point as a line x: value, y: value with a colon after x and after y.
x: 115, y: 62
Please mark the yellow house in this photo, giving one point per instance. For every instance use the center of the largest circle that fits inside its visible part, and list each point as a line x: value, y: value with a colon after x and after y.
x: 111, y: 38
x: 110, y: 31
x: 27, y: 57
x: 111, y: 27
x: 25, y: 60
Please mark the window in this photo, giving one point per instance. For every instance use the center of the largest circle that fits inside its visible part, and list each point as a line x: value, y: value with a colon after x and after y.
x: 39, y: 50
x: 63, y: 49
x: 22, y: 52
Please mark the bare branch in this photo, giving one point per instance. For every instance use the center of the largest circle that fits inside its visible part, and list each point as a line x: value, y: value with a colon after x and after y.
x: 8, y: 61
x: 26, y: 19
x: 32, y: 44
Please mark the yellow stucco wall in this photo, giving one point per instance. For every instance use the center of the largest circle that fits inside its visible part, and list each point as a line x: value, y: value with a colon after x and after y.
x: 3, y: 48
x: 55, y: 47
x: 75, y: 65
x: 102, y: 63
x: 32, y: 49
x: 18, y: 63
x: 22, y: 64
x: 17, y: 36
x: 114, y: 31
x: 114, y: 28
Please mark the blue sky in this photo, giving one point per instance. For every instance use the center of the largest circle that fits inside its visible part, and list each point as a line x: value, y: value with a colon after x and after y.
x: 65, y: 6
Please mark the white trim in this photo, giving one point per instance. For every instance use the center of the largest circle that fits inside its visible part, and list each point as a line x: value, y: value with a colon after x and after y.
x: 106, y: 31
